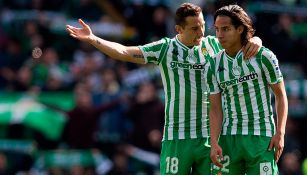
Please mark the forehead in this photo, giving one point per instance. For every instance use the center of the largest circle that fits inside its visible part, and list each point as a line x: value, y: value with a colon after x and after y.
x: 222, y: 21
x: 195, y: 20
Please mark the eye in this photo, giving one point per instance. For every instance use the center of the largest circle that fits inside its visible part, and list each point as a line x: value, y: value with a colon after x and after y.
x: 194, y: 29
x: 226, y: 29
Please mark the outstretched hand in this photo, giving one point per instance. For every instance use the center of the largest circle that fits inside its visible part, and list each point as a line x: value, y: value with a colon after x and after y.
x: 82, y: 34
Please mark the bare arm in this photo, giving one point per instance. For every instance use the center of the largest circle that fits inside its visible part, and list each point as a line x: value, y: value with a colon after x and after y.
x: 112, y: 49
x: 216, y: 118
x: 282, y: 113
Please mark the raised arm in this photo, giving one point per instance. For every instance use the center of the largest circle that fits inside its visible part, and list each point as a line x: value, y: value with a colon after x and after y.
x: 281, y: 104
x: 112, y: 49
x: 216, y: 118
x: 252, y: 47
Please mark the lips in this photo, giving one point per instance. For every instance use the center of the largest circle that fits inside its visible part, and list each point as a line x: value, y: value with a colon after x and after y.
x: 222, y: 42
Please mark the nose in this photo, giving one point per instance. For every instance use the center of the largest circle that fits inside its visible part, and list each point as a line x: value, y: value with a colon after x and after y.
x: 218, y: 34
x: 201, y: 33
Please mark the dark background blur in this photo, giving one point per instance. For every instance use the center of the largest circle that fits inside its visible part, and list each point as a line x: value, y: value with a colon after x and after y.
x: 75, y: 111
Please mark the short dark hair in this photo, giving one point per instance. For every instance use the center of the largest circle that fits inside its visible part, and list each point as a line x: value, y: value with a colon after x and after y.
x: 238, y: 17
x: 185, y: 10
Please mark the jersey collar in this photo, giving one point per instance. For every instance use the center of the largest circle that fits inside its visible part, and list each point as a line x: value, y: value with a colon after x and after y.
x: 182, y: 45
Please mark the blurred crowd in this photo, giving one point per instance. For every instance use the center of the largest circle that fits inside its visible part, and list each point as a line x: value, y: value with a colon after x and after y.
x: 115, y: 125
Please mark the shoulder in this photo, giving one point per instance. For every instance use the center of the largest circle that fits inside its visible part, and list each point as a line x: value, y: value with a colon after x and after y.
x: 211, y: 39
x: 266, y: 53
x: 219, y: 55
x: 157, y: 43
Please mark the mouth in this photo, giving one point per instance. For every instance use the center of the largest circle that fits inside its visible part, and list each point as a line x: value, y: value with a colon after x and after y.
x: 222, y: 42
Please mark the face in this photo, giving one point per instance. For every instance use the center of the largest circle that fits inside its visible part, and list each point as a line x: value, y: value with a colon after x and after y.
x: 227, y: 34
x: 191, y: 33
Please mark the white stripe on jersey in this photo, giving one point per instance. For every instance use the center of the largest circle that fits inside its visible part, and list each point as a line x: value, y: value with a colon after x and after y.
x: 181, y: 97
x: 172, y: 90
x: 193, y: 110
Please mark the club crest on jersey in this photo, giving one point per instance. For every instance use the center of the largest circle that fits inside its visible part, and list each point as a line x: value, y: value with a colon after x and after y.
x: 204, y: 51
x: 236, y: 71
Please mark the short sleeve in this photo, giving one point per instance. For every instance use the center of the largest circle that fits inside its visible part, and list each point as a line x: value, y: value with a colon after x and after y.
x: 155, y: 51
x: 210, y: 77
x: 271, y: 67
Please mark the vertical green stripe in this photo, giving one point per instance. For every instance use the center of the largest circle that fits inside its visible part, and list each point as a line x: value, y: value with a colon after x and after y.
x: 219, y: 46
x: 227, y: 98
x: 164, y: 50
x: 273, y: 78
x: 213, y: 45
x: 262, y: 103
x: 168, y: 94
x: 228, y: 108
x: 270, y: 69
x: 187, y: 94
x: 238, y: 109
x: 209, y: 76
x: 177, y: 92
x: 151, y: 59
x: 199, y: 90
x: 230, y: 103
x: 248, y: 101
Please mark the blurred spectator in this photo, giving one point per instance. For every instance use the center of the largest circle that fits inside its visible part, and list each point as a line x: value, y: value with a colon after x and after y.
x: 3, y: 164
x: 282, y: 44
x: 81, y: 126
x: 112, y: 126
x: 28, y: 24
x: 23, y: 80
x: 82, y: 123
x: 84, y: 8
x: 290, y: 164
x: 49, y: 73
x: 147, y: 115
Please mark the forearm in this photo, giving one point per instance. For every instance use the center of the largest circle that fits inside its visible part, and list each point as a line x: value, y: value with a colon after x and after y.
x: 116, y: 50
x: 282, y: 113
x: 216, y: 118
x: 215, y: 126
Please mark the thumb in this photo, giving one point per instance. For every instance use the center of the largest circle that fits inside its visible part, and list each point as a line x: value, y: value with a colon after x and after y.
x: 82, y: 23
x: 220, y: 153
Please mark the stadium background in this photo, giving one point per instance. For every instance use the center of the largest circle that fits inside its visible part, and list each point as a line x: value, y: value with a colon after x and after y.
x: 37, y: 94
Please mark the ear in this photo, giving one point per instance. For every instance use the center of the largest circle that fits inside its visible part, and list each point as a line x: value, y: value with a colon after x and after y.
x: 240, y: 29
x: 178, y: 29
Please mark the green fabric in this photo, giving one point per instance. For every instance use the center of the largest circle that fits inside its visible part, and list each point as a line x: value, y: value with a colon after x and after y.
x: 18, y: 108
x: 67, y: 159
x: 23, y: 146
x: 243, y: 157
x: 178, y: 156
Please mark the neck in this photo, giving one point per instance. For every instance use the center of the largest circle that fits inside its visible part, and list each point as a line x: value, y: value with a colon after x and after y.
x: 233, y: 50
x: 183, y: 42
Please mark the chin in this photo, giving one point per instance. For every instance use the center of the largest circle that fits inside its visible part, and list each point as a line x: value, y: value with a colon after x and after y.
x: 224, y: 45
x: 197, y: 43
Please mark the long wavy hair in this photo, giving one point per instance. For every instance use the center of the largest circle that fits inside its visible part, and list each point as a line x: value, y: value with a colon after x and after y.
x: 238, y: 17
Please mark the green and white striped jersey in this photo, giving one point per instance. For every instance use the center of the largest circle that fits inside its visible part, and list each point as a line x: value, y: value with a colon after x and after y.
x: 245, y: 90
x: 182, y: 68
